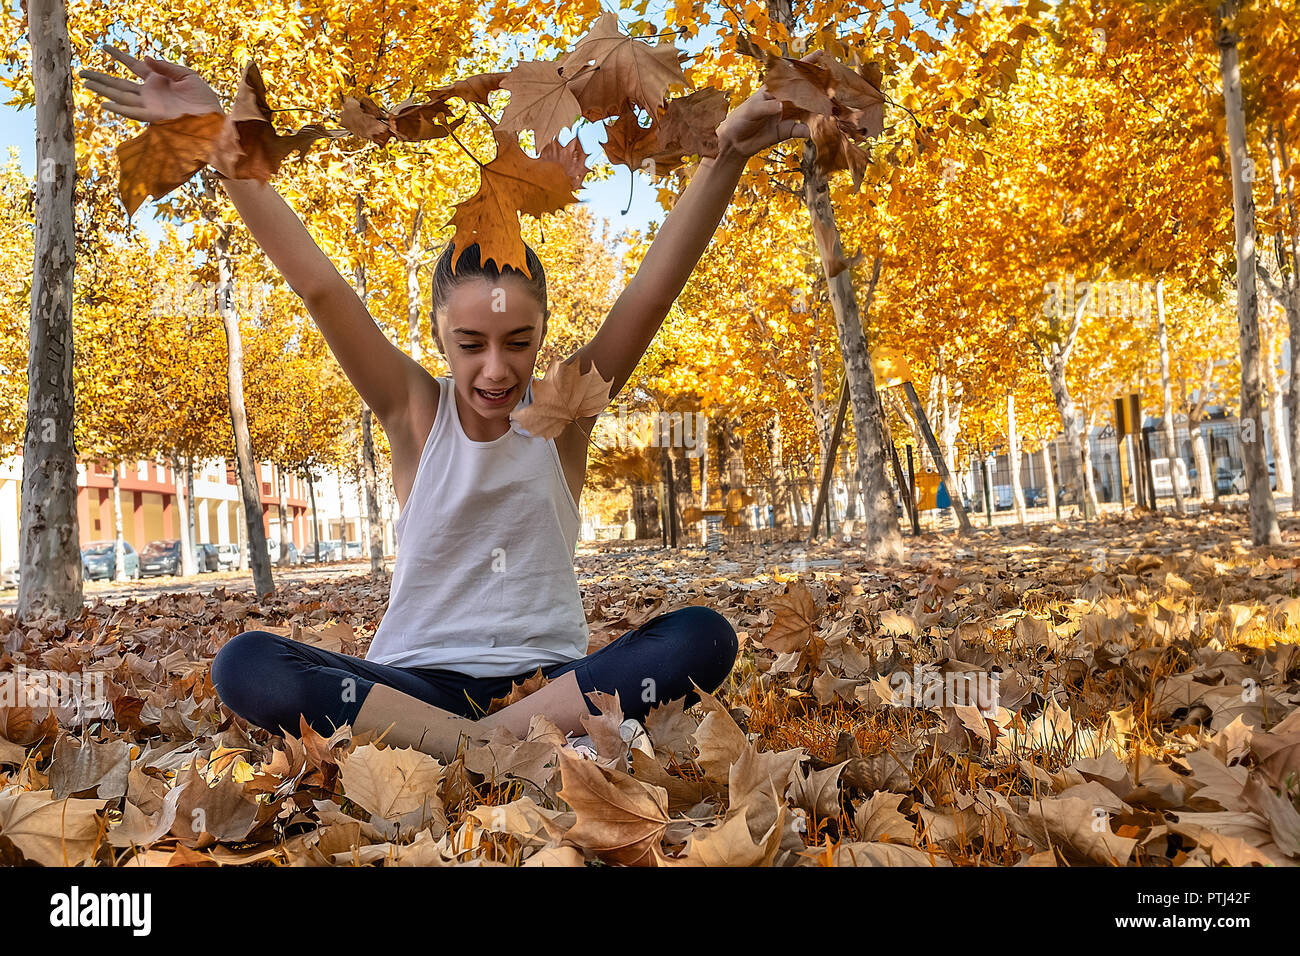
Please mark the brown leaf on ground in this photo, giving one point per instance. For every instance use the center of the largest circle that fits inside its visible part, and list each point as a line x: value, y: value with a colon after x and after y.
x: 619, y: 818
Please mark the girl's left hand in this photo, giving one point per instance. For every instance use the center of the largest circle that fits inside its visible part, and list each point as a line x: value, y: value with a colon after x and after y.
x: 756, y: 123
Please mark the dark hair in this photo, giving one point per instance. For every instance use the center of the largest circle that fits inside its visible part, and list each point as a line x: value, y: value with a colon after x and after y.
x: 471, y: 267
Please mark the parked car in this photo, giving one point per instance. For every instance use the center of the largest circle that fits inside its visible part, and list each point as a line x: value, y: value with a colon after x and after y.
x: 9, y: 575
x: 273, y: 549
x: 161, y: 557
x: 1238, y: 485
x: 328, y: 550
x: 99, y: 560
x: 228, y: 556
x: 207, y: 557
x: 354, y: 549
x: 1164, y: 484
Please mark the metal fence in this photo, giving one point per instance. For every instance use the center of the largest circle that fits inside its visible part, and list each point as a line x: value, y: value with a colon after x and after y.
x: 1124, y: 470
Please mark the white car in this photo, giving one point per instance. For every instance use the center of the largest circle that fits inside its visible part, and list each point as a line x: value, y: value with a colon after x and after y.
x: 1160, y: 476
x: 1239, y: 480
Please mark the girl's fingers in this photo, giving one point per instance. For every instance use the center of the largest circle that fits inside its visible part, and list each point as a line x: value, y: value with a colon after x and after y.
x: 173, y: 71
x: 107, y: 85
x: 131, y: 63
x: 130, y: 112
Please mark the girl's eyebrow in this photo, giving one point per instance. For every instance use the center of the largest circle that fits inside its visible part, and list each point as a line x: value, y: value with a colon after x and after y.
x: 524, y: 328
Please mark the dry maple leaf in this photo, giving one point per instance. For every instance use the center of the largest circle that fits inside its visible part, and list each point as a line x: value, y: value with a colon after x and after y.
x: 620, y: 819
x: 628, y: 143
x: 392, y: 781
x: 248, y: 147
x: 572, y: 156
x: 688, y: 125
x: 512, y: 183
x: 540, y: 100
x: 408, y: 122
x: 564, y: 397
x: 518, y: 691
x: 165, y: 155
x: 628, y: 72
x: 796, y: 617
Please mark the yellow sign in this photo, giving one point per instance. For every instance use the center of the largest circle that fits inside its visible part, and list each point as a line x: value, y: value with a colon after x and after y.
x: 889, y: 367
x: 927, y: 489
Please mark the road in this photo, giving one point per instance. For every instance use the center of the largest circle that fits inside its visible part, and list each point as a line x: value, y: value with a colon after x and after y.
x: 118, y: 592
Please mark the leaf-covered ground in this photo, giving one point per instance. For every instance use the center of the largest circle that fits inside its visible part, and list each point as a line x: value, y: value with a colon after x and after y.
x: 1145, y: 672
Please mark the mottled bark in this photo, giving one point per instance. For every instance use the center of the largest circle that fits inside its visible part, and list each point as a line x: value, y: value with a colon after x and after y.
x: 119, y: 550
x: 1263, y: 513
x: 283, y: 513
x: 188, y: 564
x: 259, y: 558
x: 368, y: 468
x: 1013, y: 460
x: 1167, y: 396
x: 50, y: 560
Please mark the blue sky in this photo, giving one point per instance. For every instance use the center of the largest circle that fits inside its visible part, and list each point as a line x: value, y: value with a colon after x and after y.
x: 607, y: 198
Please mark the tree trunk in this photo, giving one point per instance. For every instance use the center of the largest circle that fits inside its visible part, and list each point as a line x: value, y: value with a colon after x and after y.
x: 1287, y: 251
x: 368, y: 469
x: 1072, y: 477
x: 343, y: 516
x: 315, y: 518
x: 1203, y: 473
x: 284, y: 520
x: 1167, y: 397
x: 259, y: 557
x: 882, y: 538
x: 50, y: 560
x: 188, y: 566
x: 411, y: 262
x: 1013, y: 459
x: 119, y: 552
x: 1090, y: 480
x: 779, y: 483
x: 1049, y: 482
x: 189, y: 493
x: 1263, y: 513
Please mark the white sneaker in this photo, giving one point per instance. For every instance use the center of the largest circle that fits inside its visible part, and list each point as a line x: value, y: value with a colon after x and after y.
x: 633, y: 734
x: 637, y: 738
x: 582, y: 746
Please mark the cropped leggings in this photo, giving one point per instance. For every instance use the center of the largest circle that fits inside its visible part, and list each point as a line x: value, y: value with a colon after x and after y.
x: 269, y: 680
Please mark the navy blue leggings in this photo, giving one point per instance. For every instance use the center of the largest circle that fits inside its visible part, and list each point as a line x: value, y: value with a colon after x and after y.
x: 270, y: 680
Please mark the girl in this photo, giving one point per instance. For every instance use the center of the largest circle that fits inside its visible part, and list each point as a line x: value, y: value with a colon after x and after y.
x: 483, y: 590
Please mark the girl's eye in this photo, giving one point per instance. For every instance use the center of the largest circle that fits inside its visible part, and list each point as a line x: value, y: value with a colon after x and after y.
x: 470, y: 348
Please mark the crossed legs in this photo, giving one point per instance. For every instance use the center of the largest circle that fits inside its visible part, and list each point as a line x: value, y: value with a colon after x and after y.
x: 274, y: 682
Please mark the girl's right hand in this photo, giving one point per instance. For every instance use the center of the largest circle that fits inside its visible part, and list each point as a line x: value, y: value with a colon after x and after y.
x: 169, y: 90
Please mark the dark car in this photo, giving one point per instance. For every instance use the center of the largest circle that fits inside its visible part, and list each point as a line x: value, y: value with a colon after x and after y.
x: 99, y: 560
x: 329, y: 550
x: 161, y: 557
x: 207, y: 557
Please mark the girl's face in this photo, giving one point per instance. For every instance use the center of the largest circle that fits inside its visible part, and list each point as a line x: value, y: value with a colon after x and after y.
x: 490, y: 333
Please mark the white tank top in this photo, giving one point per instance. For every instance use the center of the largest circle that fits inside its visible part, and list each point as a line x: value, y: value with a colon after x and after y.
x: 483, y: 581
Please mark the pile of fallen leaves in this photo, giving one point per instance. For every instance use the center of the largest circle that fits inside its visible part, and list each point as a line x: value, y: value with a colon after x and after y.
x: 1145, y: 714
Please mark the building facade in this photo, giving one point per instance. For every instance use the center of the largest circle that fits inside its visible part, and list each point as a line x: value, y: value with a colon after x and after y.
x: 149, y: 500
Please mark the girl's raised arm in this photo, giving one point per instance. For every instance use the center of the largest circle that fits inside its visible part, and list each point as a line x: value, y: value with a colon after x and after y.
x: 384, y: 375
x: 636, y: 315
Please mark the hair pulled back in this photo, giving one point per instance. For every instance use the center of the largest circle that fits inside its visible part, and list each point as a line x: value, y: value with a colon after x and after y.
x: 471, y: 266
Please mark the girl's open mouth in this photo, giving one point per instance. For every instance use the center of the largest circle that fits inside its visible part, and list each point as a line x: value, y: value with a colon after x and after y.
x: 494, y: 398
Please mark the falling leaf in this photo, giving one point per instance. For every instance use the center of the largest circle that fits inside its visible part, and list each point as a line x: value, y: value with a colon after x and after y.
x: 563, y: 397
